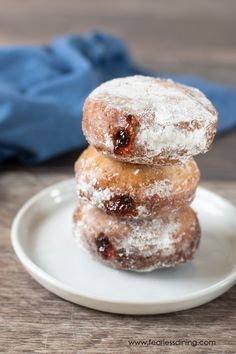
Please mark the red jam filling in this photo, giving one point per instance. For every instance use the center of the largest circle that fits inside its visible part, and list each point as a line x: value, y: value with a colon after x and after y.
x: 104, y: 246
x: 123, y: 138
x: 121, y: 205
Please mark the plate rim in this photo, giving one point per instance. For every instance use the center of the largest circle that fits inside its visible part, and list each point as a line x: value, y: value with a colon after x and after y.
x: 33, y: 268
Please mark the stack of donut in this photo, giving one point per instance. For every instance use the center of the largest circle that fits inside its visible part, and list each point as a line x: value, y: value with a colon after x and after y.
x: 137, y: 178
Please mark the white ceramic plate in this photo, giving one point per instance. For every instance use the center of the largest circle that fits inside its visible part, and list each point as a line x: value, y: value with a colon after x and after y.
x: 42, y: 239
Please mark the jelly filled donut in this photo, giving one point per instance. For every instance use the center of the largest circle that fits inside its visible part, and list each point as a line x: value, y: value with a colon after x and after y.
x: 131, y: 190
x: 138, y: 245
x: 145, y: 120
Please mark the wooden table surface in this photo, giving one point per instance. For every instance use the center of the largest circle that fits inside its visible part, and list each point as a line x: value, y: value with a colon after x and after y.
x: 182, y: 36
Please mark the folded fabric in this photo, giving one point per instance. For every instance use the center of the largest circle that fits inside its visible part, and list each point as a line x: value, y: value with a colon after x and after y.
x: 43, y: 88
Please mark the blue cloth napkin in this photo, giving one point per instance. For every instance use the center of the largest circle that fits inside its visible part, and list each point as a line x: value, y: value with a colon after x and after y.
x: 42, y: 91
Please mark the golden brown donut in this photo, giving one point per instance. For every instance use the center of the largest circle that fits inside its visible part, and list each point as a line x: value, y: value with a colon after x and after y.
x: 138, y: 245
x: 136, y: 191
x: 147, y: 120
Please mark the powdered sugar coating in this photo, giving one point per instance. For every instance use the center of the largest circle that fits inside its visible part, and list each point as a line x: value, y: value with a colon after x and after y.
x: 153, y: 191
x: 174, y: 121
x: 173, y: 140
x: 147, y: 237
x: 162, y: 188
x: 171, y: 103
x: 140, y: 245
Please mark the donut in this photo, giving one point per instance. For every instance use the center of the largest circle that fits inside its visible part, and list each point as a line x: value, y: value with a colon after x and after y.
x: 137, y: 245
x: 146, y: 120
x: 134, y: 191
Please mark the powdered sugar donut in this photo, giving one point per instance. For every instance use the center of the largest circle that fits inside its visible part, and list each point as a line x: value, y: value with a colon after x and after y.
x: 134, y: 244
x: 131, y: 190
x: 148, y: 120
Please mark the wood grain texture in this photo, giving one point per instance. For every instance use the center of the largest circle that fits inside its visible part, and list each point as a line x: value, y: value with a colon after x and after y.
x: 35, y: 321
x: 182, y: 36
